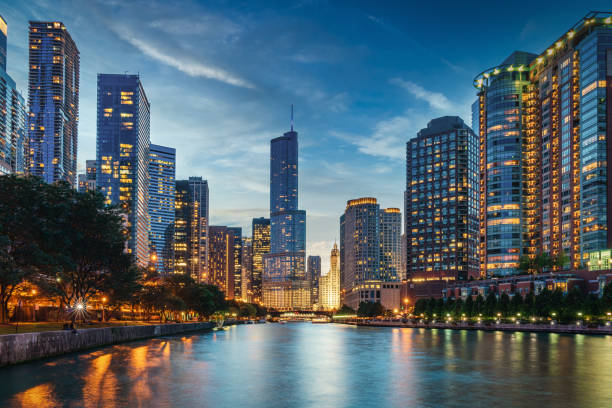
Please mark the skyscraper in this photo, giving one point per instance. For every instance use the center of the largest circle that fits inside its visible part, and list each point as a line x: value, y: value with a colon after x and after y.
x: 329, y: 288
x: 247, y: 269
x: 261, y: 246
x: 191, y: 228
x: 237, y: 261
x: 285, y: 284
x: 162, y: 191
x: 360, y: 240
x: 314, y: 272
x: 122, y: 154
x: 87, y: 180
x: 221, y: 259
x: 12, y: 116
x: 543, y: 131
x: 441, y: 202
x: 53, y: 102
x: 390, y: 244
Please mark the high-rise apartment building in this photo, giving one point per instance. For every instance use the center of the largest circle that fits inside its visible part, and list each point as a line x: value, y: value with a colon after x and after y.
x: 329, y: 285
x: 12, y: 116
x: 237, y: 261
x: 191, y: 228
x: 285, y: 284
x: 87, y: 180
x: 247, y: 269
x: 221, y: 259
x: 162, y: 187
x: 363, y: 263
x: 390, y: 244
x: 53, y: 103
x: 122, y: 154
x: 313, y: 268
x: 261, y: 246
x: 441, y: 202
x: 550, y: 112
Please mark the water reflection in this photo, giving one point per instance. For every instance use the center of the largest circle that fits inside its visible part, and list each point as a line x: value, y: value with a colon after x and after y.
x: 304, y: 365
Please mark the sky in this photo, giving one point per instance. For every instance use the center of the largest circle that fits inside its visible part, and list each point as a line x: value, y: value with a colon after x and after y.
x: 221, y: 76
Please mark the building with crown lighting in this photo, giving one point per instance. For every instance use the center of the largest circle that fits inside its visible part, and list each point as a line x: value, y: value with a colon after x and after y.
x: 543, y: 123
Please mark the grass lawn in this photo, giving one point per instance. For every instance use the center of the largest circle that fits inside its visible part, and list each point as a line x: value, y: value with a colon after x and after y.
x: 30, y: 327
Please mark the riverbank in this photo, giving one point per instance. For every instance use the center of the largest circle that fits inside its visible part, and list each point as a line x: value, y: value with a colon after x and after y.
x: 19, y: 348
x: 557, y: 328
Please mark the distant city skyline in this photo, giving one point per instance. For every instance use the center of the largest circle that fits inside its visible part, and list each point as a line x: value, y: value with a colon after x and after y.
x: 353, y: 130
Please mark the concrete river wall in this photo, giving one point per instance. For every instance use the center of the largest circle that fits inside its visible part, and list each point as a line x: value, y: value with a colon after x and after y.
x: 18, y: 348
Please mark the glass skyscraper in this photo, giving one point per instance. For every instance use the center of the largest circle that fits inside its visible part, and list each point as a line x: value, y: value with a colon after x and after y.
x: 285, y: 284
x: 555, y: 106
x: 12, y: 116
x: 313, y: 268
x: 162, y: 171
x: 221, y: 259
x: 53, y: 103
x: 191, y: 228
x: 441, y: 202
x: 123, y: 153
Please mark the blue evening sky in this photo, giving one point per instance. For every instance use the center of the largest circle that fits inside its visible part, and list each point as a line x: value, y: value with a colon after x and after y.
x: 364, y: 76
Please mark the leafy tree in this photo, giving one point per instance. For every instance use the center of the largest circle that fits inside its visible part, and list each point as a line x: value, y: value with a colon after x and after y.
x: 370, y: 309
x: 490, y: 306
x: 503, y: 306
x: 479, y: 305
x: 606, y: 299
x: 345, y: 310
x: 458, y: 308
x: 516, y: 304
x: 468, y: 307
x: 28, y: 232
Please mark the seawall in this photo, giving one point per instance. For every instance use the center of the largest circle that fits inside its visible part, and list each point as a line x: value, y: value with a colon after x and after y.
x: 558, y: 328
x: 19, y: 348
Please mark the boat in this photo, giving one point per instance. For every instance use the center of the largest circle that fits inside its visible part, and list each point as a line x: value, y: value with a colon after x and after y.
x: 320, y: 320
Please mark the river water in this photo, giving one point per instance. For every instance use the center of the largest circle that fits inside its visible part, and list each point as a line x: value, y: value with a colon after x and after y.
x: 328, y: 365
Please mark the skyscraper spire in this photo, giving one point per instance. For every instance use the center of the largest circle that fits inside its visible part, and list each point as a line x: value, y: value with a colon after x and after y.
x: 292, y: 117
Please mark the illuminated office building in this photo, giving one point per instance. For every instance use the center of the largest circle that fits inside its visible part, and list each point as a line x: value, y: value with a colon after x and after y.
x: 261, y: 246
x: 221, y: 259
x: 329, y: 285
x: 237, y: 261
x: 285, y: 285
x: 122, y: 155
x: 441, y: 202
x: 12, y: 116
x: 53, y: 103
x: 191, y: 228
x: 162, y: 170
x: 550, y: 193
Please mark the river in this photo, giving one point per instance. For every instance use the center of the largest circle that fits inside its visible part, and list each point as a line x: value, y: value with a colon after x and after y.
x: 328, y: 365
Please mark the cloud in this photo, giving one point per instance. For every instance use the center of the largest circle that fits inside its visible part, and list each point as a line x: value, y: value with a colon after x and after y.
x: 435, y: 99
x: 175, y: 58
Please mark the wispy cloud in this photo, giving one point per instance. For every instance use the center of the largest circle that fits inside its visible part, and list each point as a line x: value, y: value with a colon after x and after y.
x: 175, y: 58
x: 435, y: 99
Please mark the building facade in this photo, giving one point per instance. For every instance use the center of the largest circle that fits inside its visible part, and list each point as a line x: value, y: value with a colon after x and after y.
x: 87, y: 180
x: 12, y: 116
x: 556, y: 106
x: 162, y: 191
x: 221, y: 259
x: 247, y: 269
x: 441, y: 202
x: 53, y: 102
x: 237, y: 261
x: 313, y: 268
x: 123, y: 153
x: 191, y: 228
x: 329, y: 285
x: 390, y: 244
x: 285, y: 285
x: 261, y: 246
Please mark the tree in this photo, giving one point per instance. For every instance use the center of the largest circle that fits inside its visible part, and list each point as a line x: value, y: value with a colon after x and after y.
x: 490, y: 306
x: 468, y: 306
x: 561, y: 260
x: 479, y: 305
x: 516, y: 304
x: 503, y: 306
x: 606, y: 299
x: 370, y: 309
x: 92, y: 258
x: 345, y: 310
x: 29, y: 235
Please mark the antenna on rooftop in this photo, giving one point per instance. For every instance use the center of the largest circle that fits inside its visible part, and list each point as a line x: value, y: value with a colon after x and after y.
x: 292, y: 117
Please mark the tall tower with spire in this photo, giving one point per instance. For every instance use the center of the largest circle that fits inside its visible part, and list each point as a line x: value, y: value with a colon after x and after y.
x: 285, y: 284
